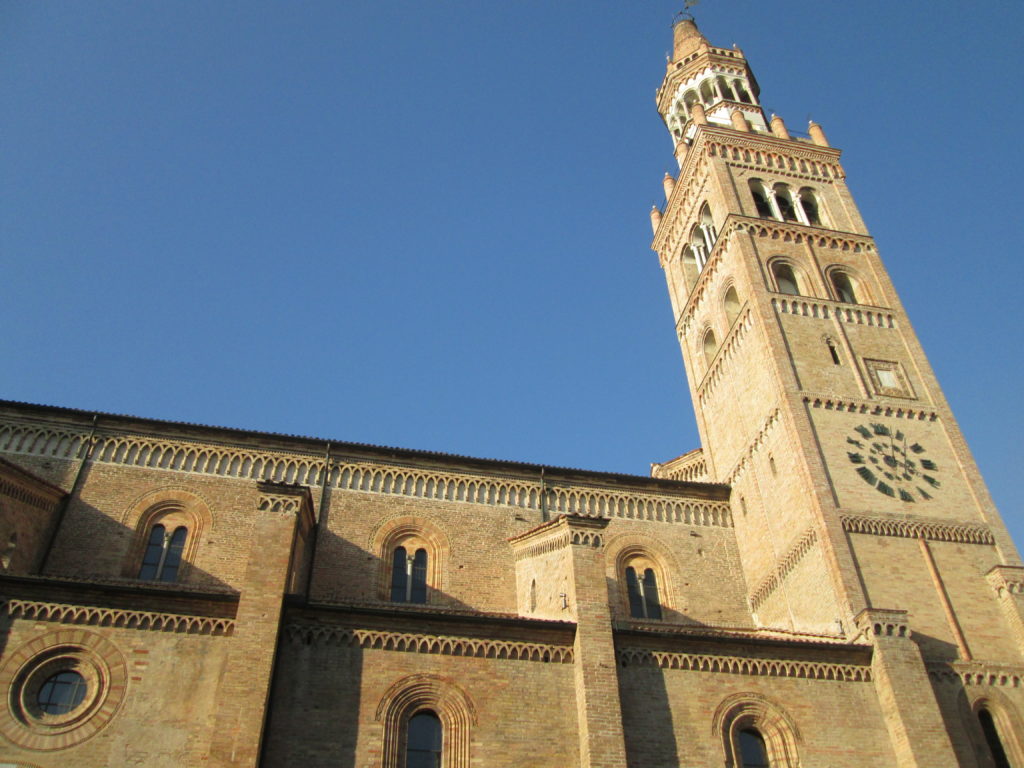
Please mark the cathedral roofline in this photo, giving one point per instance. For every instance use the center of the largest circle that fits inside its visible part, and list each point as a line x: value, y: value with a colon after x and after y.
x: 711, y: 491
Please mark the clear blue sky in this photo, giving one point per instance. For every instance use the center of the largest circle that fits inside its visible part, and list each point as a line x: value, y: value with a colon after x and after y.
x: 426, y: 224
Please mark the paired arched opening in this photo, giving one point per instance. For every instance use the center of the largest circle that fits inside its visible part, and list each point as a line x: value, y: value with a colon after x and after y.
x: 412, y: 553
x: 168, y: 527
x: 702, y: 238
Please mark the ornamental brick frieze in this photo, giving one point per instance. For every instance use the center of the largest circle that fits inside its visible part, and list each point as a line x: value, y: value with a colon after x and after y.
x: 919, y: 528
x: 870, y: 407
x: 755, y: 445
x: 366, y: 477
x: 976, y: 673
x: 16, y: 492
x: 739, y: 665
x: 118, y: 618
x: 412, y: 642
x: 824, y: 310
x: 730, y: 349
x: 804, y: 544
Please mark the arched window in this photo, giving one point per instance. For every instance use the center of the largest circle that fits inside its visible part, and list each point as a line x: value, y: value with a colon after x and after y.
x: 732, y: 305
x: 785, y: 279
x: 8, y: 556
x: 710, y: 346
x: 642, y: 590
x: 810, y: 207
x: 784, y: 200
x: 706, y: 93
x: 424, y: 741
x: 753, y: 753
x: 689, y: 99
x: 995, y: 744
x: 409, y: 576
x: 843, y: 286
x: 725, y: 90
x: 163, y: 553
x: 761, y: 199
x: 741, y: 91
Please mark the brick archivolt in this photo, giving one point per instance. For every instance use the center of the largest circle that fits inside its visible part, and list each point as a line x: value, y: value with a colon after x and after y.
x: 119, y: 618
x: 755, y: 446
x: 740, y: 665
x: 933, y: 530
x: 196, y: 458
x: 409, y: 642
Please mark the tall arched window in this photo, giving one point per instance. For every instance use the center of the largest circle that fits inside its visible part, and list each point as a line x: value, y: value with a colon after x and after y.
x: 761, y: 199
x: 784, y: 200
x: 163, y: 553
x: 809, y: 205
x: 753, y: 753
x: 785, y: 278
x: 706, y: 93
x: 725, y: 90
x: 424, y: 741
x: 995, y: 744
x: 409, y: 576
x: 732, y: 305
x: 710, y: 346
x: 843, y: 286
x: 642, y: 590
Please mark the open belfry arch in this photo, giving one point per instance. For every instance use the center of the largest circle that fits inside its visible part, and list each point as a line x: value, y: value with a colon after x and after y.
x: 824, y: 582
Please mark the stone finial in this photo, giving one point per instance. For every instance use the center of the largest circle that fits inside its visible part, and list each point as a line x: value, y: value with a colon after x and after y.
x: 739, y: 121
x: 817, y: 134
x: 779, y: 127
x: 698, y: 115
x: 686, y: 39
x: 655, y: 218
x: 670, y: 184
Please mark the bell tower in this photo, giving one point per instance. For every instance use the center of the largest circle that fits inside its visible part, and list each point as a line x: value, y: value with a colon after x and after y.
x: 852, y: 486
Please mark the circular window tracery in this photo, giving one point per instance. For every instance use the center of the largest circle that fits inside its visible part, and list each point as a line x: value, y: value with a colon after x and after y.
x: 63, y: 688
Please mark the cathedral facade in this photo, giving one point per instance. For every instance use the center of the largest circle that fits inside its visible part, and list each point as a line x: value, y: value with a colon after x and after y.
x: 824, y: 583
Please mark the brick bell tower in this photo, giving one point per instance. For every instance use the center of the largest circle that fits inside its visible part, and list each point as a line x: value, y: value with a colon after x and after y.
x: 852, y: 487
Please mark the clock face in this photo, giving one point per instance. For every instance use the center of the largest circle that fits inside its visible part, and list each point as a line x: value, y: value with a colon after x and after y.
x: 892, y: 464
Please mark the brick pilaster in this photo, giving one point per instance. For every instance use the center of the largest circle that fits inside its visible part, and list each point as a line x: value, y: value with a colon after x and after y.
x: 245, y: 686
x: 912, y: 716
x: 602, y: 743
x: 1008, y: 583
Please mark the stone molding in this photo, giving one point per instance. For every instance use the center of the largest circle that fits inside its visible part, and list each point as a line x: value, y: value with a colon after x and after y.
x: 804, y: 544
x: 412, y: 642
x: 927, y: 528
x: 738, y: 665
x: 118, y: 618
x: 361, y: 476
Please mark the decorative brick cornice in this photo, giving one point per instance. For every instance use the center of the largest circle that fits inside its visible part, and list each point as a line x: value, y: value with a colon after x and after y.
x: 976, y: 673
x: 745, y: 665
x: 17, y: 492
x: 755, y: 445
x: 413, y: 642
x: 117, y: 617
x: 882, y: 622
x: 804, y: 544
x: 871, y: 407
x: 919, y: 528
x: 188, y: 457
x: 807, y: 306
x: 1006, y: 579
